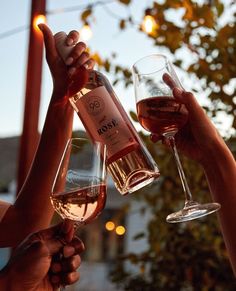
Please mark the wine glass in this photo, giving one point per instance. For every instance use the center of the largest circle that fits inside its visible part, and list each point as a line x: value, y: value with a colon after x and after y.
x: 159, y: 112
x: 79, y: 188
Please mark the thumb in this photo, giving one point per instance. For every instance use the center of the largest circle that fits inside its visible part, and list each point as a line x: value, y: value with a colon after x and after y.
x: 51, y: 52
x: 67, y: 229
x: 185, y: 97
x: 57, y: 236
x: 196, y: 112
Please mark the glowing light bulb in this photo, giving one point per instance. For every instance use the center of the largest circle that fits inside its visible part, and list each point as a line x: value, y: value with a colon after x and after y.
x: 120, y: 230
x: 86, y: 32
x: 37, y: 20
x: 149, y: 24
x: 110, y: 225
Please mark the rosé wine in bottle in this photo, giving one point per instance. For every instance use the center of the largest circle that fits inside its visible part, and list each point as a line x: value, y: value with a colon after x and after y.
x: 161, y: 115
x: 105, y: 120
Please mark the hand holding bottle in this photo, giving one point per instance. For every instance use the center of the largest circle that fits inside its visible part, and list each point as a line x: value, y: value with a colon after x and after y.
x: 62, y: 71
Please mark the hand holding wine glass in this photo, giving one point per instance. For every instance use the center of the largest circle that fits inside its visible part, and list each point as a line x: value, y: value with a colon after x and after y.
x: 79, y: 189
x: 160, y: 113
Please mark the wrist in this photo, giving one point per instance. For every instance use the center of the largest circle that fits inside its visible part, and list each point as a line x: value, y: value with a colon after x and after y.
x: 60, y: 113
x: 59, y: 91
x: 217, y: 155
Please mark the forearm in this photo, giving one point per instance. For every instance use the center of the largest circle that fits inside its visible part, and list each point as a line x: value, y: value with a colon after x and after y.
x: 35, y: 192
x: 32, y: 210
x: 220, y: 170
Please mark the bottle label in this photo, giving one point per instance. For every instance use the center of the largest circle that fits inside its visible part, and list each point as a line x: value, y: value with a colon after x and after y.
x: 104, y: 122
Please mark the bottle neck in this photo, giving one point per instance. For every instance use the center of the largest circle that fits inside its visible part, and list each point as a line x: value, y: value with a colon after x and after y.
x: 95, y: 80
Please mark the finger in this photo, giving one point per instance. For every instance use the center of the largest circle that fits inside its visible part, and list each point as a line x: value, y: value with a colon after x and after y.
x: 65, y: 264
x: 37, y: 250
x: 155, y: 137
x: 46, y: 234
x: 49, y: 43
x: 68, y: 251
x: 70, y: 278
x: 89, y: 65
x: 67, y: 229
x: 84, y: 57
x: 76, y: 53
x: 64, y: 279
x: 70, y: 264
x: 197, y: 116
x: 76, y: 246
x: 169, y: 81
x: 186, y: 98
x: 72, y: 37
x: 56, y: 267
x: 55, y: 280
x: 55, y: 237
x: 71, y: 250
x: 78, y: 79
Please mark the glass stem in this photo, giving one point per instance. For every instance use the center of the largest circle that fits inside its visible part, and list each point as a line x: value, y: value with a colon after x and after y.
x: 187, y: 193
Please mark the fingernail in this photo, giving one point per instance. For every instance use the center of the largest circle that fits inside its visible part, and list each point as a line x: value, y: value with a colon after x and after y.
x: 177, y: 91
x: 69, y: 41
x: 40, y: 26
x: 69, y: 61
x: 86, y: 66
x: 56, y: 267
x: 68, y: 251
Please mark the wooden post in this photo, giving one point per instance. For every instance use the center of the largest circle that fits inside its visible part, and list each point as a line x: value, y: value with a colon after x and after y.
x: 30, y: 133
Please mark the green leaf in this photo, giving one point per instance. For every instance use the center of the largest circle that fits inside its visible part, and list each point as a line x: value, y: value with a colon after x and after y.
x: 220, y: 8
x: 139, y: 236
x: 122, y: 24
x: 133, y: 115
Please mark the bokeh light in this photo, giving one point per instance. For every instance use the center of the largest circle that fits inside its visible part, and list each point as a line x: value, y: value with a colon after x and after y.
x: 37, y: 20
x: 86, y: 32
x: 110, y: 225
x: 149, y: 24
x: 120, y: 230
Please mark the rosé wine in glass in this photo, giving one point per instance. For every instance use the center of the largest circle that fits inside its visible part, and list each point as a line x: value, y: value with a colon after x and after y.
x: 161, y: 115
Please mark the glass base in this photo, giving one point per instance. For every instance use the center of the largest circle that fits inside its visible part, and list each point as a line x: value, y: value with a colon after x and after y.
x: 192, y: 210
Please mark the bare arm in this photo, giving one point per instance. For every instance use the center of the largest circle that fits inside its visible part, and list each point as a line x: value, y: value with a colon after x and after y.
x: 32, y: 209
x: 201, y: 141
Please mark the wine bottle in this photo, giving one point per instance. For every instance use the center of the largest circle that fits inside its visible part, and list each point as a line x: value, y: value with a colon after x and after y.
x: 128, y: 161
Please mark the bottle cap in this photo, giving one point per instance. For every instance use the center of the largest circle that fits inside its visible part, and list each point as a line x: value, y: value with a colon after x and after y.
x: 62, y: 48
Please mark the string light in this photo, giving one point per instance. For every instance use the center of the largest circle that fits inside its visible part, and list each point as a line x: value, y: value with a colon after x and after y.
x: 86, y: 32
x: 37, y: 20
x: 149, y: 24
